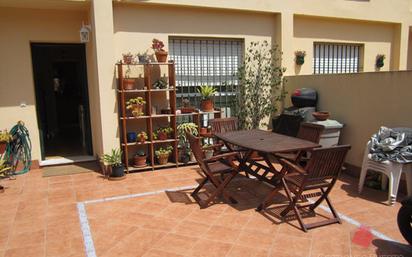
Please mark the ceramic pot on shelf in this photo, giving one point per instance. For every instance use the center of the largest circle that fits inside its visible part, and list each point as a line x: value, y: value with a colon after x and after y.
x: 207, y: 105
x: 161, y: 56
x: 163, y: 158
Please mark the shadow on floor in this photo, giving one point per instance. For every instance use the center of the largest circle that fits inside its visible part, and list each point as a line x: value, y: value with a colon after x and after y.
x: 390, y: 248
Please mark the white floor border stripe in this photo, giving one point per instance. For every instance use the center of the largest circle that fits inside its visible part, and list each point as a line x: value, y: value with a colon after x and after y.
x: 88, y: 239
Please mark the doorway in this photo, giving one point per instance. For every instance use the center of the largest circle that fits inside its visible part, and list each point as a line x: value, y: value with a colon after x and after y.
x: 60, y: 79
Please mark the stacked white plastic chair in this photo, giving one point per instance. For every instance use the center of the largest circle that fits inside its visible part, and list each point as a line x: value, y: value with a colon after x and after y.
x: 392, y: 170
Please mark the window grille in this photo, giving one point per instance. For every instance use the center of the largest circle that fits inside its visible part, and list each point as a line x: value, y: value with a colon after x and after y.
x: 336, y: 58
x: 206, y: 61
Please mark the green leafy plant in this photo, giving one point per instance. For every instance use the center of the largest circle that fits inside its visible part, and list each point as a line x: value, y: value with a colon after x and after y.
x: 186, y: 127
x: 135, y: 101
x: 164, y: 151
x: 160, y: 83
x: 260, y: 84
x: 114, y: 158
x: 5, y: 136
x: 5, y: 168
x: 206, y: 91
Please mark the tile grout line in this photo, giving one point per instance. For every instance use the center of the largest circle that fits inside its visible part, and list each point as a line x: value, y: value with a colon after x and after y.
x: 87, y: 236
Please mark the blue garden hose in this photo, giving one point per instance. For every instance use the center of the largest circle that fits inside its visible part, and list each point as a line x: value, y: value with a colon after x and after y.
x: 18, y: 151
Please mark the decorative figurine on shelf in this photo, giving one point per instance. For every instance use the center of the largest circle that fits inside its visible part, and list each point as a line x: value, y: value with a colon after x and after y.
x: 161, y: 54
x: 142, y: 137
x: 136, y: 105
x: 207, y: 93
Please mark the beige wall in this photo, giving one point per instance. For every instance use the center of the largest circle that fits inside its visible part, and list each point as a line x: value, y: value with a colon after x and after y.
x: 18, y: 28
x: 376, y: 38
x: 363, y: 102
x: 136, y: 25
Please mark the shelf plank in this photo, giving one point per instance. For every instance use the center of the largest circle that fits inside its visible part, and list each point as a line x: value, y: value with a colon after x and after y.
x: 169, y: 164
x: 149, y: 63
x: 135, y: 118
x: 164, y: 141
x: 148, y: 167
x: 133, y: 91
x: 163, y: 89
x: 137, y: 143
x: 162, y: 115
x: 196, y: 113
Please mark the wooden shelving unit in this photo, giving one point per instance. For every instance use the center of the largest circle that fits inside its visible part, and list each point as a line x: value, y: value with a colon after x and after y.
x: 151, y: 121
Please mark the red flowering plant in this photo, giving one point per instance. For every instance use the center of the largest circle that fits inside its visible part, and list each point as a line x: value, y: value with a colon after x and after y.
x: 158, y: 45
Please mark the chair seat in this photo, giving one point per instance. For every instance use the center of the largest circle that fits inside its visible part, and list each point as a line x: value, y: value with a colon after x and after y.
x: 296, y: 179
x: 287, y: 156
x: 219, y: 167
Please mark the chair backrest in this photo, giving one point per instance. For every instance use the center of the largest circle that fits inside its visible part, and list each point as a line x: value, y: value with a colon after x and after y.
x: 310, y: 132
x: 222, y: 125
x: 197, y: 150
x: 326, y: 163
x: 286, y: 124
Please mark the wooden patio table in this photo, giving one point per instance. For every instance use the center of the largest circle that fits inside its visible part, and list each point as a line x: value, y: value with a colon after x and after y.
x: 266, y: 144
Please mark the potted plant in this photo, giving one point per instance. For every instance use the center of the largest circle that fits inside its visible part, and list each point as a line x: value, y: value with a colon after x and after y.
x: 139, y: 160
x: 161, y: 54
x: 203, y: 130
x: 184, y: 150
x: 379, y: 60
x: 160, y: 84
x: 128, y: 83
x: 114, y: 160
x: 142, y: 57
x: 5, y: 138
x: 164, y: 133
x: 131, y: 137
x: 136, y: 105
x: 142, y: 137
x: 300, y: 57
x: 208, y: 151
x: 163, y: 154
x: 186, y: 107
x: 207, y: 92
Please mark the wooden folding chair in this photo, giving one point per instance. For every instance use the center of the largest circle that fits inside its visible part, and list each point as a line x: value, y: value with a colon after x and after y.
x: 217, y: 165
x: 320, y: 173
x: 307, y: 131
x: 222, y: 125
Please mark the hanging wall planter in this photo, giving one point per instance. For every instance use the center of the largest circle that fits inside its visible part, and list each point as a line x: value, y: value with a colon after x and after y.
x: 379, y: 61
x: 300, y: 57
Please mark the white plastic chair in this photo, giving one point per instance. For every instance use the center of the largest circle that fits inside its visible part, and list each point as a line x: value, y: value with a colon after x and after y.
x: 392, y: 170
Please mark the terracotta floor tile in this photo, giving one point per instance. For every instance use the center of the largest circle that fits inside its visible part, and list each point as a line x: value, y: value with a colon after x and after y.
x: 29, y: 225
x: 244, y: 251
x: 159, y: 253
x: 222, y: 234
x: 292, y: 245
x: 32, y: 251
x: 236, y: 221
x: 208, y: 248
x: 161, y: 224
x: 26, y: 239
x: 175, y: 243
x: 190, y: 228
x: 254, y: 239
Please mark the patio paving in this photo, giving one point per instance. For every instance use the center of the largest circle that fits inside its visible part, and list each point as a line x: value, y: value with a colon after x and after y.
x: 39, y: 217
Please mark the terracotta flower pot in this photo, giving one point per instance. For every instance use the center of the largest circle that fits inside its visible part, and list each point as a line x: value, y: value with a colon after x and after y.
x: 321, y: 115
x: 2, y: 147
x: 137, y: 110
x: 161, y: 56
x: 207, y: 105
x: 139, y: 161
x: 203, y: 131
x: 163, y: 159
x: 162, y: 136
x: 128, y: 84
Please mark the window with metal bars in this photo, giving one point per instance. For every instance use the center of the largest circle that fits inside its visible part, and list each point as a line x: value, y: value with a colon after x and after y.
x: 336, y: 58
x: 207, y: 61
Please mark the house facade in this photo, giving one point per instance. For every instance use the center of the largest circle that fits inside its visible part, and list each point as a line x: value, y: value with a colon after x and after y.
x: 42, y: 53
